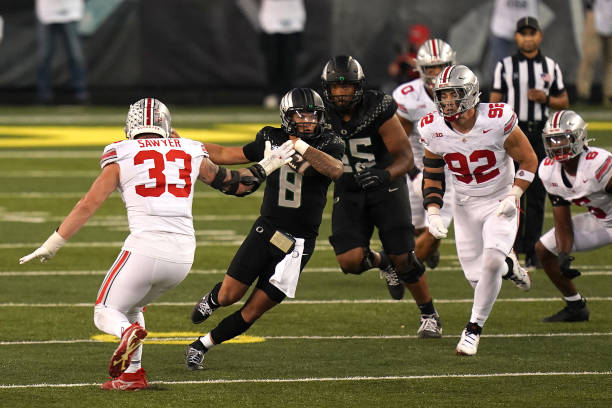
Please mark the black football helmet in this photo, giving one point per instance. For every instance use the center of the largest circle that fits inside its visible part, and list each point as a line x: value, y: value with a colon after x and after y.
x: 342, y: 69
x: 300, y: 100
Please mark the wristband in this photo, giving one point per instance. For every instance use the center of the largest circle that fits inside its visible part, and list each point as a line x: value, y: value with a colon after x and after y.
x: 300, y: 146
x: 525, y: 175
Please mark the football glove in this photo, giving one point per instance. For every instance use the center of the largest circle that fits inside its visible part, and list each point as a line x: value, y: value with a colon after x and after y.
x: 509, y: 206
x: 564, y: 265
x: 372, y: 178
x: 417, y: 184
x: 47, y: 250
x: 436, y: 226
x: 276, y: 158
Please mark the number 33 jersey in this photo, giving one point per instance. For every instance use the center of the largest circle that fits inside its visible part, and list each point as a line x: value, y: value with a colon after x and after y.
x: 588, y: 187
x: 156, y: 182
x: 477, y: 160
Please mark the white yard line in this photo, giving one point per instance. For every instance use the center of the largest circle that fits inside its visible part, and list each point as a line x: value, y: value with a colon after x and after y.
x: 331, y: 379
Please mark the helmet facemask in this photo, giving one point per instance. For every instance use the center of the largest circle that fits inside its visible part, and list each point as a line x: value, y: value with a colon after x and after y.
x: 302, y: 113
x: 346, y: 101
x: 456, y: 91
x: 564, y: 136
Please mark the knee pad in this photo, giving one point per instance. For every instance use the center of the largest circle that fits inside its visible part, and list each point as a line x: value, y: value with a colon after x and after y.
x: 367, y: 262
x: 411, y: 272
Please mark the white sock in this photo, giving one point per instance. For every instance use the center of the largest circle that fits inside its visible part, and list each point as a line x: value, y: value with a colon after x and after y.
x: 573, y: 298
x: 206, y: 340
x: 135, y: 364
x: 488, y: 286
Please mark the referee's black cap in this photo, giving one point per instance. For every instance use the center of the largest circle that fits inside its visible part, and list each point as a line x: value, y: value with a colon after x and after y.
x: 528, y: 21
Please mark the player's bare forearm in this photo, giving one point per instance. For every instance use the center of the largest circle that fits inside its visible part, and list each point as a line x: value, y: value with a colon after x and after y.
x: 226, y: 154
x: 398, y: 144
x: 101, y: 188
x: 324, y: 163
x: 518, y: 147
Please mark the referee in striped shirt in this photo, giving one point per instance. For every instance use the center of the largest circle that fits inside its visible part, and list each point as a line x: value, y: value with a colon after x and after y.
x: 531, y: 83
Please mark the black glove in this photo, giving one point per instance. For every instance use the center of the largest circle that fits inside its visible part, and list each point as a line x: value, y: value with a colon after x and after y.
x: 371, y: 178
x: 564, y: 265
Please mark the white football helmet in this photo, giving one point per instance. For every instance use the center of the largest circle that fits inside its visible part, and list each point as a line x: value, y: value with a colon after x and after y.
x: 564, y: 135
x: 463, y: 84
x: 433, y: 53
x: 148, y: 115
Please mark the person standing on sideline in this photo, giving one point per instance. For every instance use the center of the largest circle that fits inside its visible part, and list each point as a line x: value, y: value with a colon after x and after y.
x: 59, y: 19
x: 505, y: 14
x: 531, y: 83
x: 575, y: 173
x: 155, y: 175
x: 477, y: 142
x: 283, y: 238
x: 372, y: 192
x: 415, y: 100
x: 282, y: 24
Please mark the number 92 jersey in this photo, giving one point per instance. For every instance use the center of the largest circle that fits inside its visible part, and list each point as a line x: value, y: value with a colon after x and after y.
x: 156, y: 180
x: 294, y: 202
x: 589, y: 187
x: 477, y: 159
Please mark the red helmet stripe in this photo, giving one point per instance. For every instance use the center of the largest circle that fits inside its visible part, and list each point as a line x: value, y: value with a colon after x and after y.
x: 434, y: 49
x: 148, y: 112
x: 446, y: 74
x: 556, y: 119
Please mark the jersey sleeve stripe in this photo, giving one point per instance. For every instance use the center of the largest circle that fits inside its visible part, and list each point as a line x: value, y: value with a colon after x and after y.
x: 510, y: 125
x: 108, y: 157
x: 603, y: 169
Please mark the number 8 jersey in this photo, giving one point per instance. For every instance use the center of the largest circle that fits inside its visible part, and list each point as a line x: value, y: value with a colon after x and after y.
x: 156, y: 182
x: 477, y: 159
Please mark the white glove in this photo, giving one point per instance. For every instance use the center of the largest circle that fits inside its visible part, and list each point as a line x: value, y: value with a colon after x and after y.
x: 509, y: 205
x: 47, y: 250
x: 417, y: 184
x: 276, y: 158
x: 436, y: 226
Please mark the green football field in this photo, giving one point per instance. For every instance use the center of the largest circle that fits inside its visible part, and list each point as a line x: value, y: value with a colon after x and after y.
x: 341, y: 342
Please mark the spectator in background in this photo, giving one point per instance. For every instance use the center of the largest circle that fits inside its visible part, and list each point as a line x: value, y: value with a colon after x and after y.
x: 505, y: 14
x: 591, y: 51
x: 597, y: 34
x: 531, y: 83
x: 60, y: 19
x: 403, y: 68
x: 282, y: 24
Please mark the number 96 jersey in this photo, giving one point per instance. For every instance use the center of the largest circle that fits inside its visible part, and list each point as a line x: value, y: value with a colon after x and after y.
x: 477, y: 159
x: 156, y: 180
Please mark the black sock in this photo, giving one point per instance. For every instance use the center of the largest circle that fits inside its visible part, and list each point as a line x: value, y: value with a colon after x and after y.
x: 510, y: 264
x: 230, y: 327
x: 427, y: 308
x: 199, y: 346
x: 213, y: 299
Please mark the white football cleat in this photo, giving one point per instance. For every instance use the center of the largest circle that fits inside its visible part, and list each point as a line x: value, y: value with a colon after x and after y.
x: 516, y: 273
x: 470, y: 337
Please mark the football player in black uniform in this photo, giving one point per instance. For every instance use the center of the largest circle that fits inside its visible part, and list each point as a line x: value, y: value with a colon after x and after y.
x: 282, y: 239
x: 372, y: 190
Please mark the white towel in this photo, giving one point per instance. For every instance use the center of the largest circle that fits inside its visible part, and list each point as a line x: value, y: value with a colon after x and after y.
x: 287, y: 271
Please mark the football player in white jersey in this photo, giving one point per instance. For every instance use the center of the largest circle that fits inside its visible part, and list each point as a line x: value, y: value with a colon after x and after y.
x: 155, y: 175
x: 415, y: 100
x: 572, y: 172
x: 477, y: 142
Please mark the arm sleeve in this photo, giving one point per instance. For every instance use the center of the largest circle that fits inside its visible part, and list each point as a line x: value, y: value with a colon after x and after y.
x: 254, y: 151
x: 557, y: 86
x: 499, y: 85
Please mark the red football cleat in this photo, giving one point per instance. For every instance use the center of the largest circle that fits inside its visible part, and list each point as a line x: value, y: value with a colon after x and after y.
x: 130, y: 340
x: 128, y: 382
